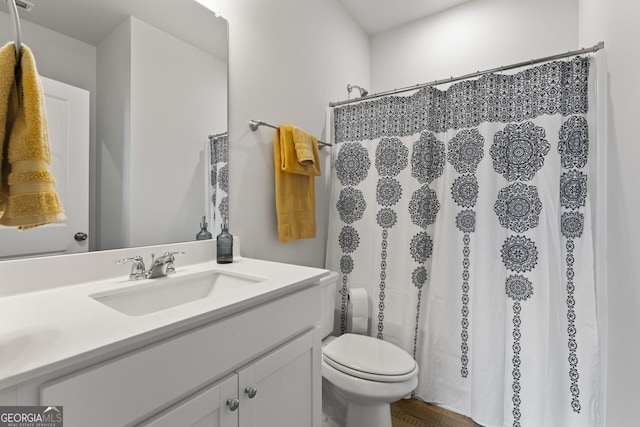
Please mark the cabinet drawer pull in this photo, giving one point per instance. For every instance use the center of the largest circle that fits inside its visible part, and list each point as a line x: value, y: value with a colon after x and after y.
x: 233, y: 404
x: 251, y: 392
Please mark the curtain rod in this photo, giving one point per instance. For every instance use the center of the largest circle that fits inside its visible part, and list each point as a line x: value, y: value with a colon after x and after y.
x: 592, y: 49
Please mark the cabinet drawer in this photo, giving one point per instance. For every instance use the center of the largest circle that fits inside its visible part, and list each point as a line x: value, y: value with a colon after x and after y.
x: 132, y: 387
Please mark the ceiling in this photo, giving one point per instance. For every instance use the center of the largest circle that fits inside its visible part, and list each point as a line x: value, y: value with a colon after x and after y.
x: 92, y: 20
x: 377, y: 16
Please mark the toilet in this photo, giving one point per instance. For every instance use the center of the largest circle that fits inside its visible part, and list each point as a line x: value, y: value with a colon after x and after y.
x: 365, y: 373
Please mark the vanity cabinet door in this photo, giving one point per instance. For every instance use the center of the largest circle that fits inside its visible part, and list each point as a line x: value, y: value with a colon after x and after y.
x: 282, y: 388
x: 208, y: 408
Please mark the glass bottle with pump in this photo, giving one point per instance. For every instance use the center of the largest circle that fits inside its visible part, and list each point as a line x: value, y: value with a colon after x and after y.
x: 224, y: 245
x: 204, y: 234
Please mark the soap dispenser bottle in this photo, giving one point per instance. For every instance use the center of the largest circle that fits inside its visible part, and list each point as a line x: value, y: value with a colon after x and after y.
x: 224, y: 246
x: 204, y: 234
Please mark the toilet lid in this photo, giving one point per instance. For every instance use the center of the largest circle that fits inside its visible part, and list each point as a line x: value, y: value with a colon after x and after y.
x: 369, y: 358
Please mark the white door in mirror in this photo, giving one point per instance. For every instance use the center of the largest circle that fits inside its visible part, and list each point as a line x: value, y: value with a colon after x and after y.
x: 68, y: 122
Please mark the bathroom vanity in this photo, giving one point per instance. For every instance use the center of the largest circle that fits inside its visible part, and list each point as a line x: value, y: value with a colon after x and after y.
x: 246, y: 355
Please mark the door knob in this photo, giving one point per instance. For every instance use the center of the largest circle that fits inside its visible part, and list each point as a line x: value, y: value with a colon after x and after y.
x: 233, y: 404
x: 80, y: 236
x: 251, y: 392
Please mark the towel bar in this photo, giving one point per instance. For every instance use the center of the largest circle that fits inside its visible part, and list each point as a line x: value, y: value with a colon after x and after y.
x: 13, y: 11
x: 255, y: 124
x: 217, y: 135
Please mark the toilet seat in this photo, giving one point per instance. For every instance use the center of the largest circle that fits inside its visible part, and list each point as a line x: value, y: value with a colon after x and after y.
x: 369, y: 358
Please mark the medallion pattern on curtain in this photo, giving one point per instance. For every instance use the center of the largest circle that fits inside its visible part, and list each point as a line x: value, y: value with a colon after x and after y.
x: 472, y: 235
x: 218, y: 189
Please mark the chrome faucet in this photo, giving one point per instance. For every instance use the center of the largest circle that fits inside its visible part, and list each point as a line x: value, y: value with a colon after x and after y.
x: 163, y: 265
x: 160, y: 267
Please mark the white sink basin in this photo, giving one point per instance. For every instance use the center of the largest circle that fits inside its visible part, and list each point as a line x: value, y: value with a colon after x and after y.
x: 153, y: 295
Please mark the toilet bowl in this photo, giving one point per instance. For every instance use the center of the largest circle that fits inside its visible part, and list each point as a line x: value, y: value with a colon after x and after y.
x: 364, y: 372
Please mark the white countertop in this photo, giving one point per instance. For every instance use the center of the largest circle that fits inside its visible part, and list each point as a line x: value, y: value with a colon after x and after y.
x: 50, y: 329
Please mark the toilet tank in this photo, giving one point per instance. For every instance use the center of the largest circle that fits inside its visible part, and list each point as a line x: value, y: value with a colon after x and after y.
x: 328, y: 291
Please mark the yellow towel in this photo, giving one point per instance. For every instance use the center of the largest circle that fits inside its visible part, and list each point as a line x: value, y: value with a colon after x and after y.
x: 306, y: 148
x: 295, y: 191
x: 299, y: 151
x: 27, y: 188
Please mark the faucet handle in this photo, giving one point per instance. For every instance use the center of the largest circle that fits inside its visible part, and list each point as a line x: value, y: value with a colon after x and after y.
x: 175, y: 253
x: 166, y: 257
x: 137, y: 268
x: 170, y: 259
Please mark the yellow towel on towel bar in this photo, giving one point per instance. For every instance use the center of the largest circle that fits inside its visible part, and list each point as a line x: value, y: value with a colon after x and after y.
x: 27, y: 188
x: 295, y: 185
x: 299, y: 151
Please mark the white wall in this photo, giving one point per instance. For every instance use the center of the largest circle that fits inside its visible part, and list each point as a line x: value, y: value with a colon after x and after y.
x: 617, y: 24
x: 169, y: 129
x: 288, y: 59
x: 160, y: 98
x: 113, y: 136
x: 478, y: 35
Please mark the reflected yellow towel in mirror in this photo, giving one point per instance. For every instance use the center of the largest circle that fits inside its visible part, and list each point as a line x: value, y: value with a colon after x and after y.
x: 27, y: 188
x: 297, y: 163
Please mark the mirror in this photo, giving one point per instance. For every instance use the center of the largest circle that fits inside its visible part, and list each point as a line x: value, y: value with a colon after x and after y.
x: 156, y: 75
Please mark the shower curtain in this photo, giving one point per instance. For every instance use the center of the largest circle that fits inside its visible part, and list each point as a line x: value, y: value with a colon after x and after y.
x: 466, y: 214
x: 218, y: 182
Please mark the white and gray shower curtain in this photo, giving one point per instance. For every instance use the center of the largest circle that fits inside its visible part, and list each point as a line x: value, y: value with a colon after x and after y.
x: 466, y: 215
x: 218, y: 182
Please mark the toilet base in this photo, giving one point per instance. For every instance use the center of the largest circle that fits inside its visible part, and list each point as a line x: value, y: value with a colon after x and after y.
x: 368, y: 415
x: 367, y: 402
